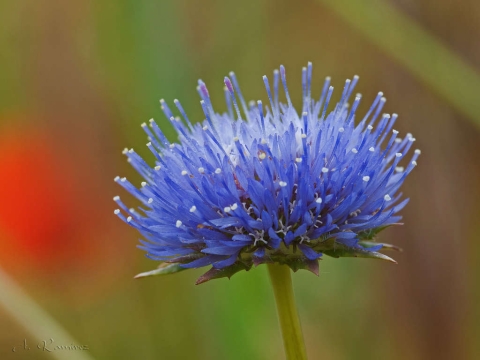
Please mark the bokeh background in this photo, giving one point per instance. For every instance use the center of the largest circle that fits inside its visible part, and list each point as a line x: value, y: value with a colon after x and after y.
x: 77, y: 78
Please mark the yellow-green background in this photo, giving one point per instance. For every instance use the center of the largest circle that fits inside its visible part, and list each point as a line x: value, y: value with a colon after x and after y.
x: 90, y: 72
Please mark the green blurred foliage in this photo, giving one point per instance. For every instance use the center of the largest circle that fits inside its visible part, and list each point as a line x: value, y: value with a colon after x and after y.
x: 90, y: 72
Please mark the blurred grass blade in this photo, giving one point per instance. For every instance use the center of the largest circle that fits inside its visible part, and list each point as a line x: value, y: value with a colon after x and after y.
x: 36, y: 321
x: 425, y: 56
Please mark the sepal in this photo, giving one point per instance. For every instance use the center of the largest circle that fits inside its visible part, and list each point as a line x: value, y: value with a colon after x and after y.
x: 163, y: 269
x: 228, y: 272
x: 370, y: 244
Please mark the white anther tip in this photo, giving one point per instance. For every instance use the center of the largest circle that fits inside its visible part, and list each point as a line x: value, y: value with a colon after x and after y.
x: 178, y: 223
x: 398, y: 154
x: 372, y: 149
x: 324, y: 170
x: 129, y: 219
x: 319, y: 201
x: 387, y: 197
x: 218, y: 171
x: 282, y: 183
x: 354, y: 151
x: 184, y: 172
x: 157, y: 167
x: 341, y: 130
x: 298, y: 160
x: 143, y: 184
x: 193, y: 208
x: 116, y: 211
x: 366, y: 178
x: 418, y: 151
x: 116, y: 198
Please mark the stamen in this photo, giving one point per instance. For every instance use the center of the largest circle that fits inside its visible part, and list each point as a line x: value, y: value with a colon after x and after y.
x: 228, y: 101
x: 326, y: 85
x: 229, y: 86
x: 269, y: 93
x: 283, y: 75
x: 327, y: 101
x: 309, y: 84
x: 262, y: 120
x: 276, y: 81
x: 239, y: 93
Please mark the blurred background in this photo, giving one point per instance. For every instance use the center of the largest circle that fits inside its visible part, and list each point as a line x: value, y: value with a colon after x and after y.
x: 77, y: 78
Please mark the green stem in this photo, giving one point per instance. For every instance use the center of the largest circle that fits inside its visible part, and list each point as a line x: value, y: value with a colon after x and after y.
x: 287, y: 312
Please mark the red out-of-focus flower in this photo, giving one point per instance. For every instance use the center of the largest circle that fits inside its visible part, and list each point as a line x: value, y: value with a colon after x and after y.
x: 39, y: 207
x: 51, y: 219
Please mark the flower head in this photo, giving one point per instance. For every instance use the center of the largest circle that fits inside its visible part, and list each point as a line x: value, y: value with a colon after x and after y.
x: 270, y: 184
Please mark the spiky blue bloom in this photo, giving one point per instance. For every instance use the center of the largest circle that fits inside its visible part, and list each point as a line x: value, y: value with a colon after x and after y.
x: 271, y: 184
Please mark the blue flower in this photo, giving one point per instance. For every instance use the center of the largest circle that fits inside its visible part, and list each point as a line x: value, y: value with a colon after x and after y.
x: 269, y: 184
